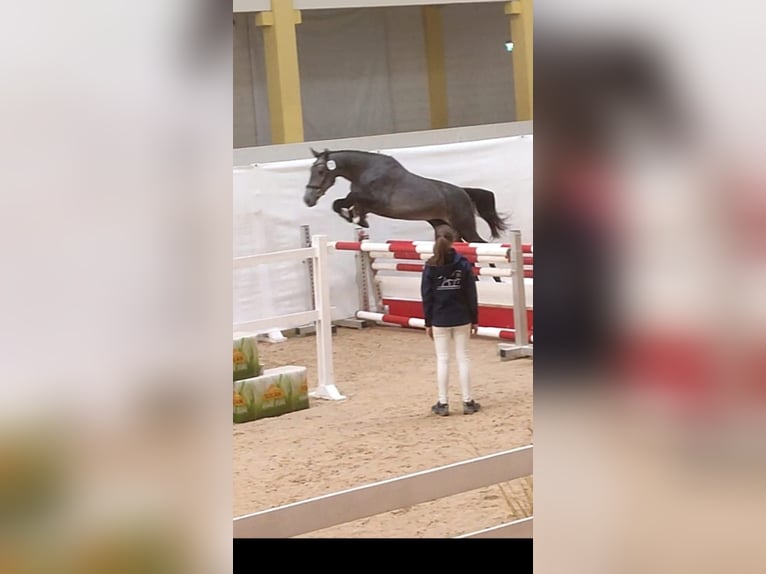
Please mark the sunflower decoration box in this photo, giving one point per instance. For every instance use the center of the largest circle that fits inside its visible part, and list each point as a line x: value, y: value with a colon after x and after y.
x: 247, y: 361
x: 276, y: 392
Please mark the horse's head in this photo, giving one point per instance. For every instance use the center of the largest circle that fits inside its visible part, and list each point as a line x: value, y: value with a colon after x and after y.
x: 323, y: 174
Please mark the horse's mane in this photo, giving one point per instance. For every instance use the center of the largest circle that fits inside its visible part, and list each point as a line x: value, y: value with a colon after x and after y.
x: 387, y: 158
x: 359, y: 151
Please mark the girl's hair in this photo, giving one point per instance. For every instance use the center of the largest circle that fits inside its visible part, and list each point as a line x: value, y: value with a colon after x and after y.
x: 442, y: 247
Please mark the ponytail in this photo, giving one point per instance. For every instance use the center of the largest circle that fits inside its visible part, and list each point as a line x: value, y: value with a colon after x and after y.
x: 442, y: 247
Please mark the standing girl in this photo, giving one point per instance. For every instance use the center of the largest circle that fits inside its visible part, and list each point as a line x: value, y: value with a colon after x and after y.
x: 451, y: 310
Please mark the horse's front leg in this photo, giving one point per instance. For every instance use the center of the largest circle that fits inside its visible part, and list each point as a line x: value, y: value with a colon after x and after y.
x: 441, y: 227
x: 355, y: 214
x: 359, y: 198
x: 350, y: 210
x: 344, y: 207
x: 359, y: 215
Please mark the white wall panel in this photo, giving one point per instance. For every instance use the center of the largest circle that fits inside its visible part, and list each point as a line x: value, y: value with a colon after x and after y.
x: 479, y: 70
x: 244, y: 94
x: 344, y: 73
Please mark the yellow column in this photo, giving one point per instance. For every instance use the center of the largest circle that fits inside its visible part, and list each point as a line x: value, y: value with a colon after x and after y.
x: 282, y: 74
x: 437, y: 78
x: 521, y: 14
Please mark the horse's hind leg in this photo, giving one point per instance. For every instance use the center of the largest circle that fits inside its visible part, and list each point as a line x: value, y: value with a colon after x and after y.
x: 469, y: 234
x: 440, y: 226
x: 465, y: 226
x: 473, y: 237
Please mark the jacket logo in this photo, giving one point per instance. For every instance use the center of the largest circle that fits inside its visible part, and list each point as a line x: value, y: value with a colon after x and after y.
x: 454, y: 281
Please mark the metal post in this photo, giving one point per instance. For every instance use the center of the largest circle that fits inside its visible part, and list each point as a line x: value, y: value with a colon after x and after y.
x: 369, y: 276
x: 362, y: 270
x: 326, y: 388
x: 306, y: 242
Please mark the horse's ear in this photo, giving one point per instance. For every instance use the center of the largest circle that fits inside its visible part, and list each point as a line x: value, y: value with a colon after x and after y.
x: 326, y: 152
x: 315, y: 152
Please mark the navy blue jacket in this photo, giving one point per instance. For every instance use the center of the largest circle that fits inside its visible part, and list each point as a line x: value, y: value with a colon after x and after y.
x: 449, y: 293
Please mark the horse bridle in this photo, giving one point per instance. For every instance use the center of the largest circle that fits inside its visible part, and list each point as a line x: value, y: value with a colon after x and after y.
x: 324, y: 179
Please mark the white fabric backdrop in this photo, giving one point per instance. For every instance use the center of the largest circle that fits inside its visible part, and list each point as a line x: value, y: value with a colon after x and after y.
x: 269, y: 210
x: 363, y: 72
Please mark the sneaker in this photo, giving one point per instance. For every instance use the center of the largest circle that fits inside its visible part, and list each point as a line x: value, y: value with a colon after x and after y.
x: 441, y: 409
x: 471, y: 407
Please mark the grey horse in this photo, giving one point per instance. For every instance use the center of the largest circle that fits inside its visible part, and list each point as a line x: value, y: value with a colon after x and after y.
x: 382, y: 186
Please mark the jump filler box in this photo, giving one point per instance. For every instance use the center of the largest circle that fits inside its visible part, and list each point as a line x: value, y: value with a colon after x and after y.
x: 261, y: 393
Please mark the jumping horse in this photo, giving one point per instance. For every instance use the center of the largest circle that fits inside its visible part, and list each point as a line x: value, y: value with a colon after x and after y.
x: 382, y: 186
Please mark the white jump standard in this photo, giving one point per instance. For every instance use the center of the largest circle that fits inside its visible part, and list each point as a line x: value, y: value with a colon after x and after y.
x: 320, y: 315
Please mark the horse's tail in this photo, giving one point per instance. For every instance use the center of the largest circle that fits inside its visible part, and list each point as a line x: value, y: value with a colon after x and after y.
x: 484, y: 202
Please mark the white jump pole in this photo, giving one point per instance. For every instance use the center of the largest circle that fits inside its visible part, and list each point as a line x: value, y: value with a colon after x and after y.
x: 417, y: 323
x: 418, y: 268
x: 326, y: 388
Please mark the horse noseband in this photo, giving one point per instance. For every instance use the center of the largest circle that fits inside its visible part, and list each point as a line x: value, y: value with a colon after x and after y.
x: 319, y: 187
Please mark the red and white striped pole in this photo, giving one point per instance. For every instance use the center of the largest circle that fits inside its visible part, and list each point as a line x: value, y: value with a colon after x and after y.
x: 480, y: 249
x: 418, y: 268
x: 416, y: 323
